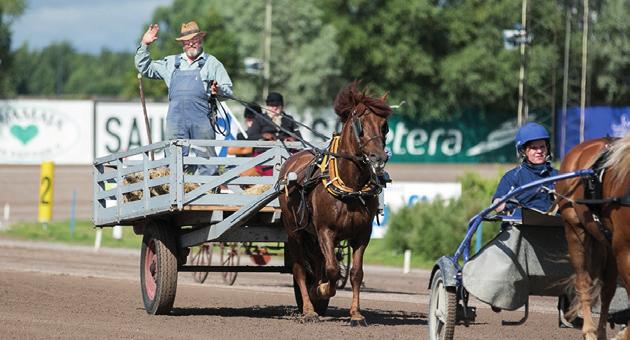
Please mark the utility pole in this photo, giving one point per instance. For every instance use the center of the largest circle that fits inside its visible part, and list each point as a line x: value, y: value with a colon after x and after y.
x: 267, y: 49
x: 565, y: 80
x: 522, y: 95
x: 584, y: 66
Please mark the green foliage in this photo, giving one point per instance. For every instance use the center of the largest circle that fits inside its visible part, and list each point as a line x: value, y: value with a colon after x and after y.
x: 59, y: 231
x: 611, y: 47
x: 433, y: 229
x: 9, y: 10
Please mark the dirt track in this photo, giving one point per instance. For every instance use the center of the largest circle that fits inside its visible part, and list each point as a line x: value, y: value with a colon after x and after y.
x: 51, y: 291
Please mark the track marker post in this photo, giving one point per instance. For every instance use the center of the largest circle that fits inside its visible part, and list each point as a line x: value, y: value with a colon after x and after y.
x: 72, y: 212
x: 45, y: 200
x: 407, y: 262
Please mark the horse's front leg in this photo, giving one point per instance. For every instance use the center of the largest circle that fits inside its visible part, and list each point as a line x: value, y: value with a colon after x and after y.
x: 577, y: 243
x: 356, y: 278
x: 328, y: 289
x: 608, y: 292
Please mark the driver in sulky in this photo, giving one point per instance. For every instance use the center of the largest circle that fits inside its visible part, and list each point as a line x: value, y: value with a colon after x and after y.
x: 532, y: 144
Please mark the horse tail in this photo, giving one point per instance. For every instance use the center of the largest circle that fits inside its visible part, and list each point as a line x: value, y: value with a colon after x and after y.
x: 593, y: 294
x: 619, y: 160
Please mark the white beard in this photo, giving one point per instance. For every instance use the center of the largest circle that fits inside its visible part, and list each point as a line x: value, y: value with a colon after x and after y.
x: 193, y: 53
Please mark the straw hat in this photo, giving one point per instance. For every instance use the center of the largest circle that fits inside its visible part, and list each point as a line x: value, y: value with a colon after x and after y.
x: 190, y: 30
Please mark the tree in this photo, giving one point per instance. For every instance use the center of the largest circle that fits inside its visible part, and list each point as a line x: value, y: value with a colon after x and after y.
x: 9, y: 10
x: 610, y: 47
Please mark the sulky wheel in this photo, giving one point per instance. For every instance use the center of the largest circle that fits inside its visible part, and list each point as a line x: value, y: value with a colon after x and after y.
x: 344, y: 256
x: 158, y: 268
x: 201, y: 256
x: 442, y: 309
x: 230, y: 256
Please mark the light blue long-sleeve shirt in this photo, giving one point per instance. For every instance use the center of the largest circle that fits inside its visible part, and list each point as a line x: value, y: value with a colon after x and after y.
x: 163, y: 69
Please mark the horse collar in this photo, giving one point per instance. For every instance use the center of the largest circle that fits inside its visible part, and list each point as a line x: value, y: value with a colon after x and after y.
x: 334, y: 184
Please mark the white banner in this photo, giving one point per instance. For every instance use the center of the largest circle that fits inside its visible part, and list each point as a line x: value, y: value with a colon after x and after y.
x: 400, y: 194
x: 33, y: 131
x: 121, y: 126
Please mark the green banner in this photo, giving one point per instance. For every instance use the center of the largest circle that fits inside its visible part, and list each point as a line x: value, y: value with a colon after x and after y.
x: 470, y: 139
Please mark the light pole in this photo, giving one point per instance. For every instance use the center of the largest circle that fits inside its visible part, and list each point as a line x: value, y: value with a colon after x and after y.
x: 522, y: 80
x: 267, y: 49
x: 584, y: 66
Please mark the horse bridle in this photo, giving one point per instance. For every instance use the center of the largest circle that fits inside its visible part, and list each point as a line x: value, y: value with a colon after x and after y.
x: 357, y: 130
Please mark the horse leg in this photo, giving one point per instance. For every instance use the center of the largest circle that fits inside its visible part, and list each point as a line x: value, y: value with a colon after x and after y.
x: 328, y: 289
x: 299, y: 275
x: 608, y: 292
x: 356, y: 278
x: 577, y: 241
x: 622, y: 254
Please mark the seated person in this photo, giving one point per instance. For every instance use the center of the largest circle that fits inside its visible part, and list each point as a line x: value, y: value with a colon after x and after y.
x: 532, y: 144
x: 264, y: 129
x: 250, y: 113
x: 275, y: 113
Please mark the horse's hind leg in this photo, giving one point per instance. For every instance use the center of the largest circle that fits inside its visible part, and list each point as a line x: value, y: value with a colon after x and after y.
x: 299, y: 275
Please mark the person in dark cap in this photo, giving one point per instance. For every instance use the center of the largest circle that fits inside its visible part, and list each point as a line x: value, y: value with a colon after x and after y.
x: 263, y: 129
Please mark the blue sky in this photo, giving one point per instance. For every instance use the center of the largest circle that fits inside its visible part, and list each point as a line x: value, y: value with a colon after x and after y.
x: 88, y: 25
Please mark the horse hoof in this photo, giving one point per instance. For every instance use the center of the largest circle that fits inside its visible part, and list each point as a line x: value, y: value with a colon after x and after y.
x: 358, y: 322
x: 310, y: 318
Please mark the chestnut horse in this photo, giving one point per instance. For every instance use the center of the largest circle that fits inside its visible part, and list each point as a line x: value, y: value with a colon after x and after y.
x: 597, y: 226
x: 335, y: 198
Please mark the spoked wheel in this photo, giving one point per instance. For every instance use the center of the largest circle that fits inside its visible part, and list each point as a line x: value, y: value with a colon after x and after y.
x: 320, y: 305
x: 158, y: 268
x: 344, y: 256
x: 201, y: 256
x: 230, y: 256
x: 442, y: 309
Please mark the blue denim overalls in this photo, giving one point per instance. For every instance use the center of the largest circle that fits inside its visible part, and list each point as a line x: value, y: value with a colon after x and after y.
x: 188, y: 112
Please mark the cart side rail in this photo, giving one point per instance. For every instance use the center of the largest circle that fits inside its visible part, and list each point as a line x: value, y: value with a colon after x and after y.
x: 119, y: 200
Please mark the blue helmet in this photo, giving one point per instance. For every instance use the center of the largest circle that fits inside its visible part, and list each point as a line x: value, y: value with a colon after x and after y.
x: 529, y: 132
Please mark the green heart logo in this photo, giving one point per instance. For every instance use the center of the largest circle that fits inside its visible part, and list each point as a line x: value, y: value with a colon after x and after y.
x: 24, y: 134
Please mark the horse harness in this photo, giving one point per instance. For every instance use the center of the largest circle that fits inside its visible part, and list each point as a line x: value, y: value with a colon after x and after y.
x: 335, y: 185
x: 326, y: 162
x: 593, y: 193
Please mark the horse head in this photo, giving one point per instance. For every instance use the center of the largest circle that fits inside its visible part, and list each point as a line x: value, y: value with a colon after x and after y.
x: 365, y: 126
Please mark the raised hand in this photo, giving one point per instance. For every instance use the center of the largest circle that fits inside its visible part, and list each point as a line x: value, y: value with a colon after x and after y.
x: 151, y: 34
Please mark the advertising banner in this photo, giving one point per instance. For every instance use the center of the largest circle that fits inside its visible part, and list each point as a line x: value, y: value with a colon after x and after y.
x: 401, y: 194
x: 599, y: 121
x: 120, y: 126
x: 33, y: 131
x: 469, y: 139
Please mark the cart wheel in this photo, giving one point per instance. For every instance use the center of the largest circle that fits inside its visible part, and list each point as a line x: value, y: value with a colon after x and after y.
x: 321, y: 305
x: 344, y: 257
x: 158, y: 268
x: 201, y: 256
x: 442, y: 309
x: 230, y: 256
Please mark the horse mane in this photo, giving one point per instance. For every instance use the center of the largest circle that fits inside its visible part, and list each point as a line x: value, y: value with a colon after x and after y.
x: 619, y: 160
x: 350, y: 97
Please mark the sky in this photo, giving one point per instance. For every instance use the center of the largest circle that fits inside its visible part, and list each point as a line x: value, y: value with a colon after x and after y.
x: 89, y: 25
